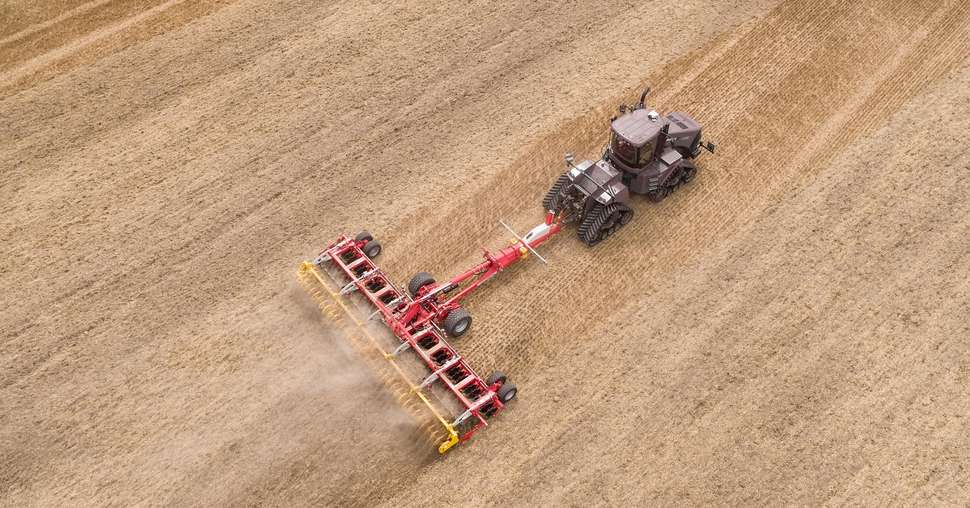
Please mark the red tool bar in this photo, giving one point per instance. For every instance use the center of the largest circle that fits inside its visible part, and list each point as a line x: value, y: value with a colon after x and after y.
x: 416, y: 319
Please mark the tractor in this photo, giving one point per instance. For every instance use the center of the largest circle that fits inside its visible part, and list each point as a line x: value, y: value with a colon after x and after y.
x: 647, y: 154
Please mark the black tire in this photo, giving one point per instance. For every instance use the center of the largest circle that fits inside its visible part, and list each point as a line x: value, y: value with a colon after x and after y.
x: 457, y: 322
x: 553, y: 198
x: 602, y: 221
x: 372, y: 249
x: 496, y: 377
x: 507, y: 392
x: 363, y: 236
x: 420, y: 280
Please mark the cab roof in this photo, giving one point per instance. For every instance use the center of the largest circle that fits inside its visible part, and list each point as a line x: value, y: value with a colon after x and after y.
x: 636, y: 127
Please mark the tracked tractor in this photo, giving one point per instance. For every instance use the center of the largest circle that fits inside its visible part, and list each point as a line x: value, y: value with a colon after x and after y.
x: 647, y: 154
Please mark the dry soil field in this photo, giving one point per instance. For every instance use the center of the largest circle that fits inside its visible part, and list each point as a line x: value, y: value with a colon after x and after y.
x: 791, y: 328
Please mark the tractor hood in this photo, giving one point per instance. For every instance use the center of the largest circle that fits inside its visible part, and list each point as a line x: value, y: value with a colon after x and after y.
x: 599, y: 180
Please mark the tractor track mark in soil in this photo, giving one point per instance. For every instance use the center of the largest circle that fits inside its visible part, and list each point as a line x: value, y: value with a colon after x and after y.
x: 44, y: 25
x: 38, y: 60
x: 50, y: 37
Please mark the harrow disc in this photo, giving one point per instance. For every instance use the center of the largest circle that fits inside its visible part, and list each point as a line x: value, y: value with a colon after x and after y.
x: 333, y: 306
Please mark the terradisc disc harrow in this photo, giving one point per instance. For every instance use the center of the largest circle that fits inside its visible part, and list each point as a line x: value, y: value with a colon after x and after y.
x: 446, y: 397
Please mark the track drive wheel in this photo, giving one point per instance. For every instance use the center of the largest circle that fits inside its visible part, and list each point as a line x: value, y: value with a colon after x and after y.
x: 659, y: 194
x: 420, y: 280
x: 688, y: 174
x: 602, y: 221
x: 457, y: 322
x: 553, y: 198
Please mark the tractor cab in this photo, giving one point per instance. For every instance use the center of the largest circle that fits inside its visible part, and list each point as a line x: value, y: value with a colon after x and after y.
x: 633, y: 138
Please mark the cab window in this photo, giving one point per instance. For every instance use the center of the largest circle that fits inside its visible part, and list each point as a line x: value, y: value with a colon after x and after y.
x: 646, y: 151
x: 625, y: 150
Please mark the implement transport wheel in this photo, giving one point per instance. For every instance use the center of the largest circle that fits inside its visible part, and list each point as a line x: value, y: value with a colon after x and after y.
x: 372, y: 249
x: 420, y: 280
x: 603, y: 221
x: 363, y: 236
x: 457, y: 322
x: 553, y: 198
x: 496, y: 377
x: 507, y: 392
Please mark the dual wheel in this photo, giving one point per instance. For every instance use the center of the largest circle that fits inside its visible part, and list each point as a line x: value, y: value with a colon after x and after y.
x: 371, y: 247
x: 457, y: 322
x: 506, y: 391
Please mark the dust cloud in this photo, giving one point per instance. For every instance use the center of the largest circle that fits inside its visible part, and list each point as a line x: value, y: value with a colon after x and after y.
x: 334, y: 423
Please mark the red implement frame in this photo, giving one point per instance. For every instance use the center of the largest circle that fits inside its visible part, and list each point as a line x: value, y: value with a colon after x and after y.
x: 417, y: 321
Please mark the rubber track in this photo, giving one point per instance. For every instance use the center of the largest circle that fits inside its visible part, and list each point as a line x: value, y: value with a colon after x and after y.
x: 590, y: 227
x: 551, y: 201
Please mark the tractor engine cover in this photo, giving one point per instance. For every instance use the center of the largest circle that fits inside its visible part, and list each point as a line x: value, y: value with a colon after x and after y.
x: 600, y: 181
x: 684, y: 133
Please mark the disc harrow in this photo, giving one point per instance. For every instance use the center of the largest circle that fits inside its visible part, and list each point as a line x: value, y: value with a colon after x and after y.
x: 450, y: 401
